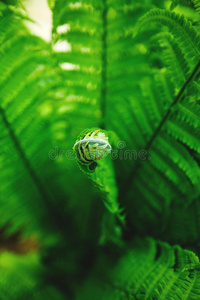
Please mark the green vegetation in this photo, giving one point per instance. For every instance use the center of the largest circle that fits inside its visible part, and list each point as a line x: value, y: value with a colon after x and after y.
x: 129, y: 229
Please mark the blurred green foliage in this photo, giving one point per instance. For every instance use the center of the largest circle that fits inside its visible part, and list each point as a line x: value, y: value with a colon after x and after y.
x: 128, y: 67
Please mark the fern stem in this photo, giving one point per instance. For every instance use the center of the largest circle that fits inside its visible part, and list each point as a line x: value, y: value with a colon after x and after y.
x: 177, y: 99
x: 159, y: 128
x: 104, y: 65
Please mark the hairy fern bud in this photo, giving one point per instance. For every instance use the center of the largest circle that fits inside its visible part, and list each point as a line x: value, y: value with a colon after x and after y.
x: 91, y: 146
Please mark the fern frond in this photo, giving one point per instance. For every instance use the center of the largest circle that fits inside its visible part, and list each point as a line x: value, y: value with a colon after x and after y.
x: 25, y: 78
x: 177, y: 65
x: 81, y: 16
x: 91, y: 159
x: 185, y: 134
x: 183, y: 31
x: 149, y: 270
x: 188, y: 112
x: 196, y: 4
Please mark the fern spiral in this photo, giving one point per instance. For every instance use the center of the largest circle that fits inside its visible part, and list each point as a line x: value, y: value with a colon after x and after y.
x: 92, y: 147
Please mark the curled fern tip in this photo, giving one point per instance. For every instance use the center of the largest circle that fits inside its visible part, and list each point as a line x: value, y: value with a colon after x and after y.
x: 91, y: 146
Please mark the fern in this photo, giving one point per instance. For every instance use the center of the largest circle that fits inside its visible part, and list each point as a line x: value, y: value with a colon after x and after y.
x: 150, y: 270
x: 185, y: 34
x: 131, y: 69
